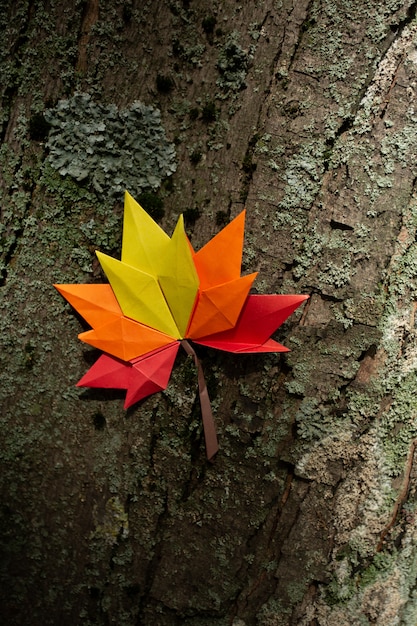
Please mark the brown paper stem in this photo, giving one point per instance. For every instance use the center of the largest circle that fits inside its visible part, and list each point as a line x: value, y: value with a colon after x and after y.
x: 209, y: 427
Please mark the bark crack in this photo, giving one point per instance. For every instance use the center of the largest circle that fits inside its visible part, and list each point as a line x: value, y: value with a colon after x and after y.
x: 401, y: 498
x: 89, y: 18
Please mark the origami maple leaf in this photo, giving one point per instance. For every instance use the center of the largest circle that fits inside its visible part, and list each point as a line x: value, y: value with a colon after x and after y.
x: 163, y: 294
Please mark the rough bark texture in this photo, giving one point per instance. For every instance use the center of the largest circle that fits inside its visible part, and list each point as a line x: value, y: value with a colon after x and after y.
x: 304, y: 112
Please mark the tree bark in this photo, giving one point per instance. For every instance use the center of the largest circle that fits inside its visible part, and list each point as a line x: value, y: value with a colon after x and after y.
x: 304, y: 113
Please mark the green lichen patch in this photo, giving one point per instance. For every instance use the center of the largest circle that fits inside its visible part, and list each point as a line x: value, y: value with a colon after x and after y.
x: 107, y: 148
x: 232, y: 65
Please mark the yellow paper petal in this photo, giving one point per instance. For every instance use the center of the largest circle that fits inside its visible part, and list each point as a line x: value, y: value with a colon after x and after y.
x: 179, y: 279
x: 139, y: 295
x: 144, y: 241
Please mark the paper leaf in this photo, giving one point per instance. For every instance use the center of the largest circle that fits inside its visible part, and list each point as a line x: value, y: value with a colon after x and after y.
x: 162, y: 291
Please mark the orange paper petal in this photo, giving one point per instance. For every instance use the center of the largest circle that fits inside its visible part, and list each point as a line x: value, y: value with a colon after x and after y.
x: 218, y: 308
x: 220, y: 259
x: 125, y: 338
x: 97, y: 304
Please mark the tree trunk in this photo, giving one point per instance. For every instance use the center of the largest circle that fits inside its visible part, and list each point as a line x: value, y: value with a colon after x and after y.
x: 304, y: 113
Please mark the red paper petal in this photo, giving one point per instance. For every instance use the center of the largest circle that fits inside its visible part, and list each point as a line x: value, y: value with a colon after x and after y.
x: 107, y: 372
x: 230, y: 346
x: 151, y: 373
x: 140, y: 377
x: 260, y: 317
